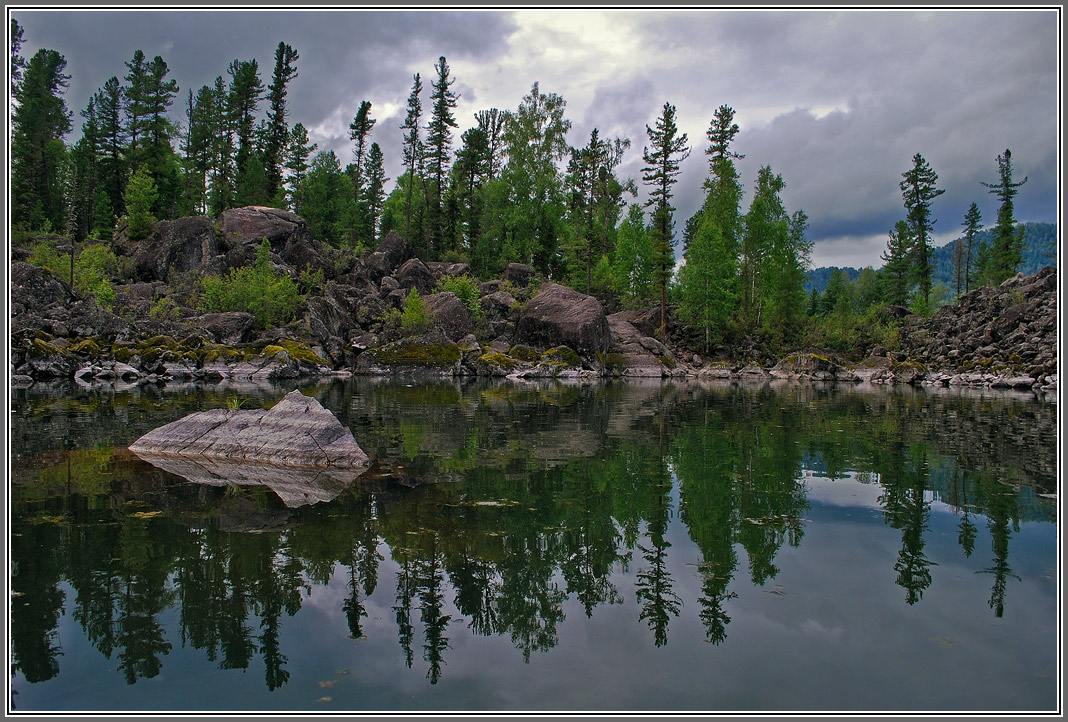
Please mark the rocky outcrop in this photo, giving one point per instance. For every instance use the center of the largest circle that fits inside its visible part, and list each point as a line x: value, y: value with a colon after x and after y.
x: 634, y: 354
x: 449, y: 314
x: 1008, y: 331
x: 289, y: 236
x: 296, y: 432
x: 179, y: 246
x: 559, y: 315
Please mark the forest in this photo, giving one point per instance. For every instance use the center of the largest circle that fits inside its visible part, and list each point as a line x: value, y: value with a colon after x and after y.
x: 513, y: 187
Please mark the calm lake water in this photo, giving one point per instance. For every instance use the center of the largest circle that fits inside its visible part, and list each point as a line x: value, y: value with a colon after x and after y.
x: 546, y: 547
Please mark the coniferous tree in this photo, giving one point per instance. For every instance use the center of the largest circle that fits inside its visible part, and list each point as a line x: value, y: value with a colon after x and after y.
x: 140, y: 199
x: 633, y: 267
x: 277, y: 131
x: 359, y: 129
x: 472, y: 169
x: 375, y: 195
x: 412, y: 149
x: 39, y: 122
x: 82, y: 176
x: 326, y: 201
x: 111, y: 141
x: 134, y: 93
x: 298, y: 152
x: 246, y: 89
x: 157, y: 96
x: 972, y: 225
x: 663, y: 158
x: 1007, y: 243
x: 18, y: 63
x: 918, y: 190
x: 439, y: 142
x: 221, y: 196
x: 896, y: 273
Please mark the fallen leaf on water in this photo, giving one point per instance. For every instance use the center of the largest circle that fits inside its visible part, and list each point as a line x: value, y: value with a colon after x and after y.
x: 944, y: 641
x: 325, y: 699
x: 328, y: 684
x: 145, y: 514
x: 343, y: 671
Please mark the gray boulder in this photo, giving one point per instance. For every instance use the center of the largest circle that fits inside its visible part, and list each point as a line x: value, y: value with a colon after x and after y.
x: 450, y: 314
x: 560, y: 316
x: 229, y: 327
x: 178, y: 246
x: 518, y: 274
x: 413, y: 273
x: 296, y: 432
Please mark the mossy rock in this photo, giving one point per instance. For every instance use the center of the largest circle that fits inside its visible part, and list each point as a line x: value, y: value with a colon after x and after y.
x: 45, y: 348
x: 523, y: 353
x: 122, y: 353
x: 496, y: 361
x: 561, y: 356
x: 87, y: 348
x: 298, y: 352
x: 611, y: 360
x: 412, y: 353
x: 667, y: 362
x: 225, y: 354
x: 158, y: 342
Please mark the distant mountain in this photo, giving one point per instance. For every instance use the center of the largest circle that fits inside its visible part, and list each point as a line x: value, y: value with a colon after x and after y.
x: 1039, y: 249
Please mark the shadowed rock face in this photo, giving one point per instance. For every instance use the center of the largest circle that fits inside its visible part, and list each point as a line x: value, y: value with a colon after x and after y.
x: 559, y: 315
x: 296, y: 433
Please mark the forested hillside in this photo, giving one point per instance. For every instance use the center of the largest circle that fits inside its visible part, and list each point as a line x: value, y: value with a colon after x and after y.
x: 1039, y: 250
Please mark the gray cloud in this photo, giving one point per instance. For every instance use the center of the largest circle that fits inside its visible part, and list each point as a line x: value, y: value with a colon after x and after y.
x: 836, y: 102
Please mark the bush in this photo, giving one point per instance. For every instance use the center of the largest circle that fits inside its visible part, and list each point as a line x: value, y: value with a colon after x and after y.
x: 272, y: 297
x: 466, y: 289
x: 94, y: 267
x: 415, y: 316
x: 165, y: 309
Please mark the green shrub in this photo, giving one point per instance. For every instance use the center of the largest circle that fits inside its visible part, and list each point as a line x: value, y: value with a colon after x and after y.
x: 272, y: 297
x: 165, y: 309
x: 466, y: 289
x: 94, y: 267
x: 415, y: 315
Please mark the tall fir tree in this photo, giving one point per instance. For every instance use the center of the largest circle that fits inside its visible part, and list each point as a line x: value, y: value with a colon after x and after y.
x: 298, y: 151
x: 39, y: 122
x: 918, y: 190
x: 375, y: 195
x: 18, y: 63
x: 439, y: 143
x: 277, y: 131
x: 359, y: 130
x: 1006, y: 247
x: 972, y: 225
x: 663, y: 157
x: 491, y: 122
x: 246, y: 90
x: 111, y: 142
x: 412, y: 150
x: 896, y: 275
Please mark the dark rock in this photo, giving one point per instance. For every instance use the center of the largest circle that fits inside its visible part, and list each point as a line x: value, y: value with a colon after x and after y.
x: 287, y: 233
x: 230, y: 327
x: 34, y: 289
x: 178, y: 246
x: 559, y: 316
x: 388, y: 257
x: 432, y: 353
x: 296, y: 432
x: 441, y: 269
x: 518, y: 274
x: 413, y: 273
x: 497, y: 305
x: 450, y: 314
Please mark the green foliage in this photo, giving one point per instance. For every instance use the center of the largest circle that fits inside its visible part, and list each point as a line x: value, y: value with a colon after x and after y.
x: 165, y: 309
x: 94, y: 267
x: 272, y: 297
x: 466, y: 289
x: 327, y: 202
x: 140, y: 196
x: 415, y: 316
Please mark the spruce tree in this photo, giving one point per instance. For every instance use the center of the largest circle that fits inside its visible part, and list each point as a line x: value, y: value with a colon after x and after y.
x: 918, y: 190
x: 140, y: 198
x: 972, y: 225
x: 111, y: 141
x: 359, y: 129
x: 375, y: 195
x: 298, y: 152
x: 246, y: 90
x: 1006, y: 251
x: 663, y: 158
x: 412, y: 149
x: 491, y: 122
x: 439, y: 142
x: 277, y: 133
x: 895, y: 273
x: 18, y: 63
x: 39, y: 122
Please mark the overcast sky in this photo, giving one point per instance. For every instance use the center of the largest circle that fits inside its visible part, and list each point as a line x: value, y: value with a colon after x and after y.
x: 838, y: 103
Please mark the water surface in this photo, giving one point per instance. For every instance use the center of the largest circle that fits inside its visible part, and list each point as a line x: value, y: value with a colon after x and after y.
x: 546, y: 547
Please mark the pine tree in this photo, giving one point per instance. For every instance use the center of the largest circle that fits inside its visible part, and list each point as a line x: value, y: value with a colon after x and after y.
x: 439, y: 142
x: 111, y: 141
x: 298, y: 152
x: 1007, y: 243
x: 39, y: 122
x: 136, y: 109
x: 140, y: 198
x: 221, y: 196
x: 632, y: 263
x: 277, y: 134
x: 18, y: 63
x: 412, y: 149
x: 359, y: 129
x: 246, y: 89
x: 663, y: 160
x: 918, y: 190
x: 376, y: 193
x: 972, y: 225
x: 491, y: 122
x: 473, y: 163
x: 896, y: 273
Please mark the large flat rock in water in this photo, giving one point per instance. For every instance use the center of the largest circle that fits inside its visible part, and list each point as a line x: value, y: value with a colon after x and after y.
x: 296, y: 433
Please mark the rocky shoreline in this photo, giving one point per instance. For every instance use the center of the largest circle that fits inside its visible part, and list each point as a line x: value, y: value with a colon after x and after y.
x: 519, y: 327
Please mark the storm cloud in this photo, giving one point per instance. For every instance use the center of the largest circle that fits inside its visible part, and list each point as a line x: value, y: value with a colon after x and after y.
x: 837, y: 102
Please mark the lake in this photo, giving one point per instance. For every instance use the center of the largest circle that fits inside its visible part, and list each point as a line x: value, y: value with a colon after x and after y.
x: 546, y: 547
